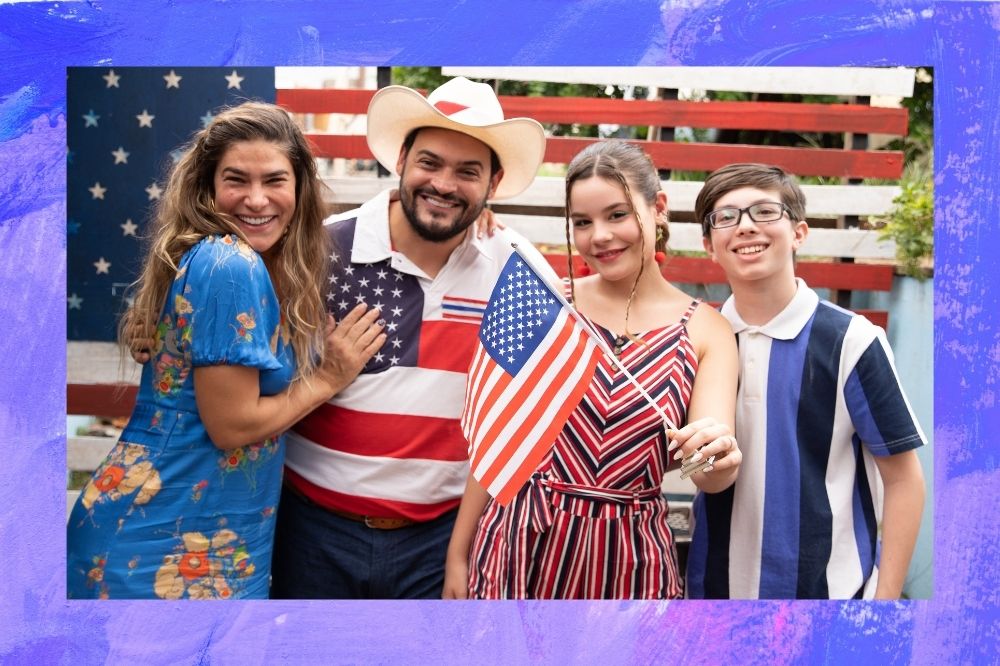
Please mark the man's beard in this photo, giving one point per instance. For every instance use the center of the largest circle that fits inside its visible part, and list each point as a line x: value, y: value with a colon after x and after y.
x: 434, y: 233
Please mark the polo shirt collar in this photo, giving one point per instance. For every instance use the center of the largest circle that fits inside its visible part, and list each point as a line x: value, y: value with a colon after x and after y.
x: 786, y: 324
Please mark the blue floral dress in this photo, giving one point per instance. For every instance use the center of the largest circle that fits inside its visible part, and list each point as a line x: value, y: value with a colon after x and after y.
x: 168, y: 514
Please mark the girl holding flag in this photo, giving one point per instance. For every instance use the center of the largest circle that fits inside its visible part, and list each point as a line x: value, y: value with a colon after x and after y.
x: 592, y: 521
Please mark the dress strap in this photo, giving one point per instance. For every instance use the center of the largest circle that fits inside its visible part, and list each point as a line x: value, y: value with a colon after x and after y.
x: 690, y: 311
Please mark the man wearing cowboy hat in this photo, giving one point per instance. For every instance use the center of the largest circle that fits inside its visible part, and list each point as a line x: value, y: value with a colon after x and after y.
x: 374, y: 477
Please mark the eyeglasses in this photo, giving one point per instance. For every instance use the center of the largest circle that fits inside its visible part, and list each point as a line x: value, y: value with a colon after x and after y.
x: 764, y: 212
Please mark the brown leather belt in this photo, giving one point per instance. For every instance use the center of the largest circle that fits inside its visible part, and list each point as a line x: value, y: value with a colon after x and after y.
x: 373, y: 522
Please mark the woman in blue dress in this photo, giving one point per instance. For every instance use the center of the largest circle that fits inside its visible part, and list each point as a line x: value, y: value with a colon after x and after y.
x: 184, y: 505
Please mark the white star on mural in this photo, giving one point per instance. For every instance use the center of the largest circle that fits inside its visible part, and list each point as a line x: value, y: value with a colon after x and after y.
x: 129, y: 227
x: 102, y: 265
x: 173, y: 81
x: 154, y: 192
x: 111, y: 78
x: 90, y: 119
x: 75, y: 302
x: 97, y: 191
x: 121, y: 157
x: 145, y: 119
x: 234, y: 80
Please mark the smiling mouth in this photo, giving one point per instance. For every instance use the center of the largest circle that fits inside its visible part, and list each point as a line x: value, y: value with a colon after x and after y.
x: 608, y: 255
x: 256, y: 221
x: 750, y: 249
x: 439, y: 203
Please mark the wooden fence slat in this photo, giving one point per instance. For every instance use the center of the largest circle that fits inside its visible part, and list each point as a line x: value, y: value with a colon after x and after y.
x: 549, y: 191
x: 686, y: 156
x: 780, y: 116
x: 100, y: 399
x: 86, y: 453
x: 865, y: 81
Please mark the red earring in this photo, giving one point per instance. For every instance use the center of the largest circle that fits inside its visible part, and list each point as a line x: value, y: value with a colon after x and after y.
x: 583, y: 271
x: 659, y: 256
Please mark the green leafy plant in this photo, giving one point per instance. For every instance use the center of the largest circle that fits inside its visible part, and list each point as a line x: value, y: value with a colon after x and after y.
x: 910, y: 223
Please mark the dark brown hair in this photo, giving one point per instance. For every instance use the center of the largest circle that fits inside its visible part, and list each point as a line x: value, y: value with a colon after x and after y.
x: 759, y: 176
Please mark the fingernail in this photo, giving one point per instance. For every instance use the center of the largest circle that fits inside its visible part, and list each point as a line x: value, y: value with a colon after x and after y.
x: 673, y: 445
x: 696, y: 457
x: 677, y: 456
x: 708, y: 469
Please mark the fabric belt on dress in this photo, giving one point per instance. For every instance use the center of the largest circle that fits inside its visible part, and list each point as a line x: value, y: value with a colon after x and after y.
x: 541, y: 487
x: 372, y: 522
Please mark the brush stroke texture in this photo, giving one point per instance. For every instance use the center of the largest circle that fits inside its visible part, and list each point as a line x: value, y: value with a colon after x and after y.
x: 37, y: 42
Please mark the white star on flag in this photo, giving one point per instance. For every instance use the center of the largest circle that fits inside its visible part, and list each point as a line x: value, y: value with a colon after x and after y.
x: 129, y: 227
x: 90, y: 119
x: 74, y: 301
x: 206, y: 119
x: 154, y: 191
x: 121, y: 157
x: 102, y: 265
x: 234, y: 80
x: 145, y: 119
x: 97, y: 191
x: 111, y: 78
x: 173, y: 81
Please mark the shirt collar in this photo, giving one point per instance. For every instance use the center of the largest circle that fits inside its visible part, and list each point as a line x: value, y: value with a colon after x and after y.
x: 786, y: 324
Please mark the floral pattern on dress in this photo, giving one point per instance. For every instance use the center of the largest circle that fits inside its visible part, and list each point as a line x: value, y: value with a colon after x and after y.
x: 127, y: 471
x: 204, y: 568
x: 247, y: 323
x: 247, y: 459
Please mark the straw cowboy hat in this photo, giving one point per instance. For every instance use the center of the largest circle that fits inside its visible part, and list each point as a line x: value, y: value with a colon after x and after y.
x: 463, y: 106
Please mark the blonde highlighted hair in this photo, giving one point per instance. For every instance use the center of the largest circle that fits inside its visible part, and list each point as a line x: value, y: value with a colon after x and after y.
x: 186, y: 213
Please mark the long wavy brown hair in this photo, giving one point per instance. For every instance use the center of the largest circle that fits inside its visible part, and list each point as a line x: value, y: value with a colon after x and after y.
x: 186, y: 213
x: 630, y: 167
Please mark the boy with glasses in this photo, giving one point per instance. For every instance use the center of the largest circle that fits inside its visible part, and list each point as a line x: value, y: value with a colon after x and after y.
x: 826, y: 431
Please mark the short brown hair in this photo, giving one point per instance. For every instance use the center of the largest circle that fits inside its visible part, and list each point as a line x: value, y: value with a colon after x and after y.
x: 760, y: 176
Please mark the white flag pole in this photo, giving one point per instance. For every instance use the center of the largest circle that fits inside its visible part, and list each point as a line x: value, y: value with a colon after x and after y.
x: 600, y: 342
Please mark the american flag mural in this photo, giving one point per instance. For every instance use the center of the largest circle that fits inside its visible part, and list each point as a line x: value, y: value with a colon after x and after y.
x: 125, y: 127
x: 534, y: 363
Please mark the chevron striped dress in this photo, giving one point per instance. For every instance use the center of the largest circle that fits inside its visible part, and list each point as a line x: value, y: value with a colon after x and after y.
x: 592, y: 521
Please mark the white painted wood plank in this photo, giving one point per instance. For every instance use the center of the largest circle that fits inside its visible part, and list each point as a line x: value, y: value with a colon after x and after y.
x: 86, y: 453
x: 71, y: 496
x: 891, y: 81
x: 686, y: 237
x: 823, y: 200
x: 98, y: 363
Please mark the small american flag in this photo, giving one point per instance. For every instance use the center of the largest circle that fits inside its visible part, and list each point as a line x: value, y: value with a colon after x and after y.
x: 533, y: 364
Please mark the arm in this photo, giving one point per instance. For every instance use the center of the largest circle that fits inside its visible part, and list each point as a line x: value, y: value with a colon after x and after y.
x: 234, y: 412
x: 712, y: 410
x: 456, y: 568
x: 903, y: 480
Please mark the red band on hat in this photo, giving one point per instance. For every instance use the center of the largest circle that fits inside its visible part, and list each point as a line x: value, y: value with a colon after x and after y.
x: 449, y: 108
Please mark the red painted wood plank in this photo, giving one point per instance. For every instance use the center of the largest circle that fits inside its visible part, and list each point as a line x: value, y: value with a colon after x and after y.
x: 687, y: 156
x: 701, y: 270
x: 325, y: 100
x: 100, y: 399
x: 780, y: 116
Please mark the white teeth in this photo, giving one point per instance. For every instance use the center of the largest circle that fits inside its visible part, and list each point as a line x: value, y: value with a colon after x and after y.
x: 439, y: 203
x: 255, y: 221
x: 752, y: 249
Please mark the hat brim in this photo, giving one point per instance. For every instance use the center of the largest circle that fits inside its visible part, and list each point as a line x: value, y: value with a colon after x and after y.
x: 518, y: 142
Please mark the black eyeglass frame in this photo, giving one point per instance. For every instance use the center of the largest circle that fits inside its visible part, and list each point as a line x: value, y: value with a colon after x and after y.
x: 710, y: 217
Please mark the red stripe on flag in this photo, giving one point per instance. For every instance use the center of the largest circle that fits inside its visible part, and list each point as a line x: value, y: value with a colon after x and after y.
x: 446, y: 345
x: 548, y: 436
x: 366, y: 434
x: 464, y: 300
x: 488, y: 441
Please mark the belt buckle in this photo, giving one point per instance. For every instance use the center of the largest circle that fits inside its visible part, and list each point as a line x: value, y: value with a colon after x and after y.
x: 369, y: 524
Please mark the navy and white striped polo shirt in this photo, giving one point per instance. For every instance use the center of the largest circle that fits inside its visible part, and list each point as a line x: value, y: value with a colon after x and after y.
x: 818, y: 397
